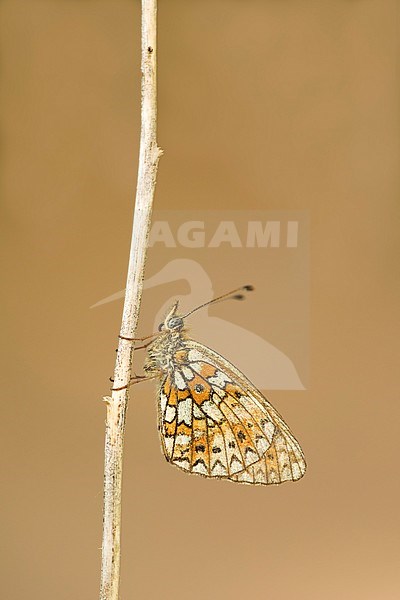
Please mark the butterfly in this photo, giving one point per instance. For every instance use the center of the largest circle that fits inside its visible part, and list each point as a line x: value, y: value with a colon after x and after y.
x: 212, y: 420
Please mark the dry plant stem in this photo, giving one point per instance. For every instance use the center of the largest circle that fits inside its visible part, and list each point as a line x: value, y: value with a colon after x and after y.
x: 117, y: 403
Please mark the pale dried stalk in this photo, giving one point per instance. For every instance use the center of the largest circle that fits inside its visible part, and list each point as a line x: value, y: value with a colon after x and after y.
x: 117, y: 403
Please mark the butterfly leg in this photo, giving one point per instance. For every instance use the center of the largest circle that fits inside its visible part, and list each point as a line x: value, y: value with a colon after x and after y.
x: 121, y: 337
x: 133, y: 380
x: 137, y: 347
x: 128, y: 339
x: 143, y: 346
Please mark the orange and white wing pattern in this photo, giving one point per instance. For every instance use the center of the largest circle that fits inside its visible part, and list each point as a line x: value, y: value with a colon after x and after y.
x: 215, y: 423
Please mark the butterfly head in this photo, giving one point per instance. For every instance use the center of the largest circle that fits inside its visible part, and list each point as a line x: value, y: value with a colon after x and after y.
x: 172, y: 321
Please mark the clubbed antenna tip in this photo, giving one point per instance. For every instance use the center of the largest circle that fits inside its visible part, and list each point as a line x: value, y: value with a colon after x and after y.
x: 230, y: 295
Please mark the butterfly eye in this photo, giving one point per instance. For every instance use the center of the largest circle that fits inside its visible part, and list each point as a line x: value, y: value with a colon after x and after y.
x: 161, y: 325
x: 175, y: 323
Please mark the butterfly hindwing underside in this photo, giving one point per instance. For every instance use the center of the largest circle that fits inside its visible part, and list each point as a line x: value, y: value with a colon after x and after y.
x: 212, y: 419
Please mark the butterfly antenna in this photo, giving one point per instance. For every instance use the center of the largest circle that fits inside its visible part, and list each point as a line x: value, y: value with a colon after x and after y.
x: 232, y: 295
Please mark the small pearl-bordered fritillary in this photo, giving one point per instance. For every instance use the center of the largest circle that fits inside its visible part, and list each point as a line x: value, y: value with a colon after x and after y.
x: 212, y: 420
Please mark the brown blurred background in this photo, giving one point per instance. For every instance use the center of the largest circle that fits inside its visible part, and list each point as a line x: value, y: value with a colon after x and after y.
x: 262, y: 105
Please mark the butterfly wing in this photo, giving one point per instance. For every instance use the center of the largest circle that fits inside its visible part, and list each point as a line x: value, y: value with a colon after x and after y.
x: 215, y: 423
x: 282, y: 462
